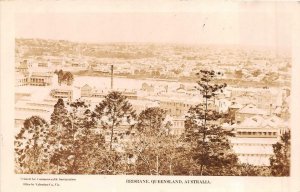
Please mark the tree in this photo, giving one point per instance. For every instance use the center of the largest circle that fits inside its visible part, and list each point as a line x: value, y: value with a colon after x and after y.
x: 280, y: 161
x: 244, y: 169
x: 209, y: 144
x: 78, y: 143
x: 60, y: 75
x: 68, y: 78
x: 31, y: 146
x: 150, y: 121
x: 114, y: 111
x: 64, y: 77
x: 238, y: 74
x: 152, y: 145
x: 157, y: 151
x: 59, y: 122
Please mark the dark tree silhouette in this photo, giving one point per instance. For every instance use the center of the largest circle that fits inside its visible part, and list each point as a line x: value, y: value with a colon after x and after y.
x: 60, y: 75
x: 31, y: 146
x: 280, y: 161
x: 153, y: 146
x: 78, y: 143
x: 59, y: 123
x: 209, y: 142
x: 150, y: 121
x: 113, y: 111
x: 68, y: 78
x: 64, y: 77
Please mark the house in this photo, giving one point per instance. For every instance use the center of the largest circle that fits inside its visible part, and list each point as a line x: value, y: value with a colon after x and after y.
x: 86, y: 91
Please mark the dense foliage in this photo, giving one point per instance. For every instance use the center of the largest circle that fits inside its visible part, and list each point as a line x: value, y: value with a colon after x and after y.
x: 209, y: 145
x: 65, y: 77
x: 280, y: 161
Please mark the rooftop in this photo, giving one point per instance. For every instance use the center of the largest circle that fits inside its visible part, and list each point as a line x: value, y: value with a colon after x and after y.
x: 258, y: 121
x: 252, y: 109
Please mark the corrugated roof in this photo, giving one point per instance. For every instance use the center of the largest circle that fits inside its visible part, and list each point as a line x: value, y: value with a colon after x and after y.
x: 252, y: 109
x: 258, y: 121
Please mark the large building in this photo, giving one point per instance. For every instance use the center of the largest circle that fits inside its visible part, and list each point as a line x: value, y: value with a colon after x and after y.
x: 88, y: 91
x: 40, y: 79
x: 33, y: 74
x: 64, y: 92
x: 175, y: 106
x: 255, y: 137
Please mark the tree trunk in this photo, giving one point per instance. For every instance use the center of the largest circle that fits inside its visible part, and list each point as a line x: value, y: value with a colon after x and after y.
x: 204, y: 132
x: 74, y: 167
x: 111, y: 136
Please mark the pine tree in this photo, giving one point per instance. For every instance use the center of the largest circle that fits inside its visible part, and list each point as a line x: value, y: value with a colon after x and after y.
x: 209, y: 144
x: 78, y: 142
x: 150, y: 121
x: 154, y: 147
x: 114, y: 111
x: 31, y: 146
x: 59, y: 123
x: 148, y: 140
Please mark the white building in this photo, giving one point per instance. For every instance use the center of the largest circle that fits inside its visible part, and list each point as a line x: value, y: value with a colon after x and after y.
x: 255, y: 137
x: 64, y: 92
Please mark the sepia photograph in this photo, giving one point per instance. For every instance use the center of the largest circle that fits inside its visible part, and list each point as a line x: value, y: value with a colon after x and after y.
x: 194, y: 92
x: 117, y: 94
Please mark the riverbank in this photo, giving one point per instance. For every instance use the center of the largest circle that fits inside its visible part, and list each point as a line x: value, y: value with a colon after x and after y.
x: 229, y: 82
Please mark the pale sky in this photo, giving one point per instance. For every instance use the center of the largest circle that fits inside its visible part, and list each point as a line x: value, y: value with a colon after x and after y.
x: 249, y: 24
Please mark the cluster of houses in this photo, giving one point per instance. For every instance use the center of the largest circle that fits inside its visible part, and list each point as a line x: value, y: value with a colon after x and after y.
x: 33, y: 73
x: 258, y: 116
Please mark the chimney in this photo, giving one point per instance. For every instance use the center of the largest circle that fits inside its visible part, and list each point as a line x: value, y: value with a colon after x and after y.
x: 112, y: 77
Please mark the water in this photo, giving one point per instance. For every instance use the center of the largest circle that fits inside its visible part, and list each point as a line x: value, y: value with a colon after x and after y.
x: 121, y: 83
